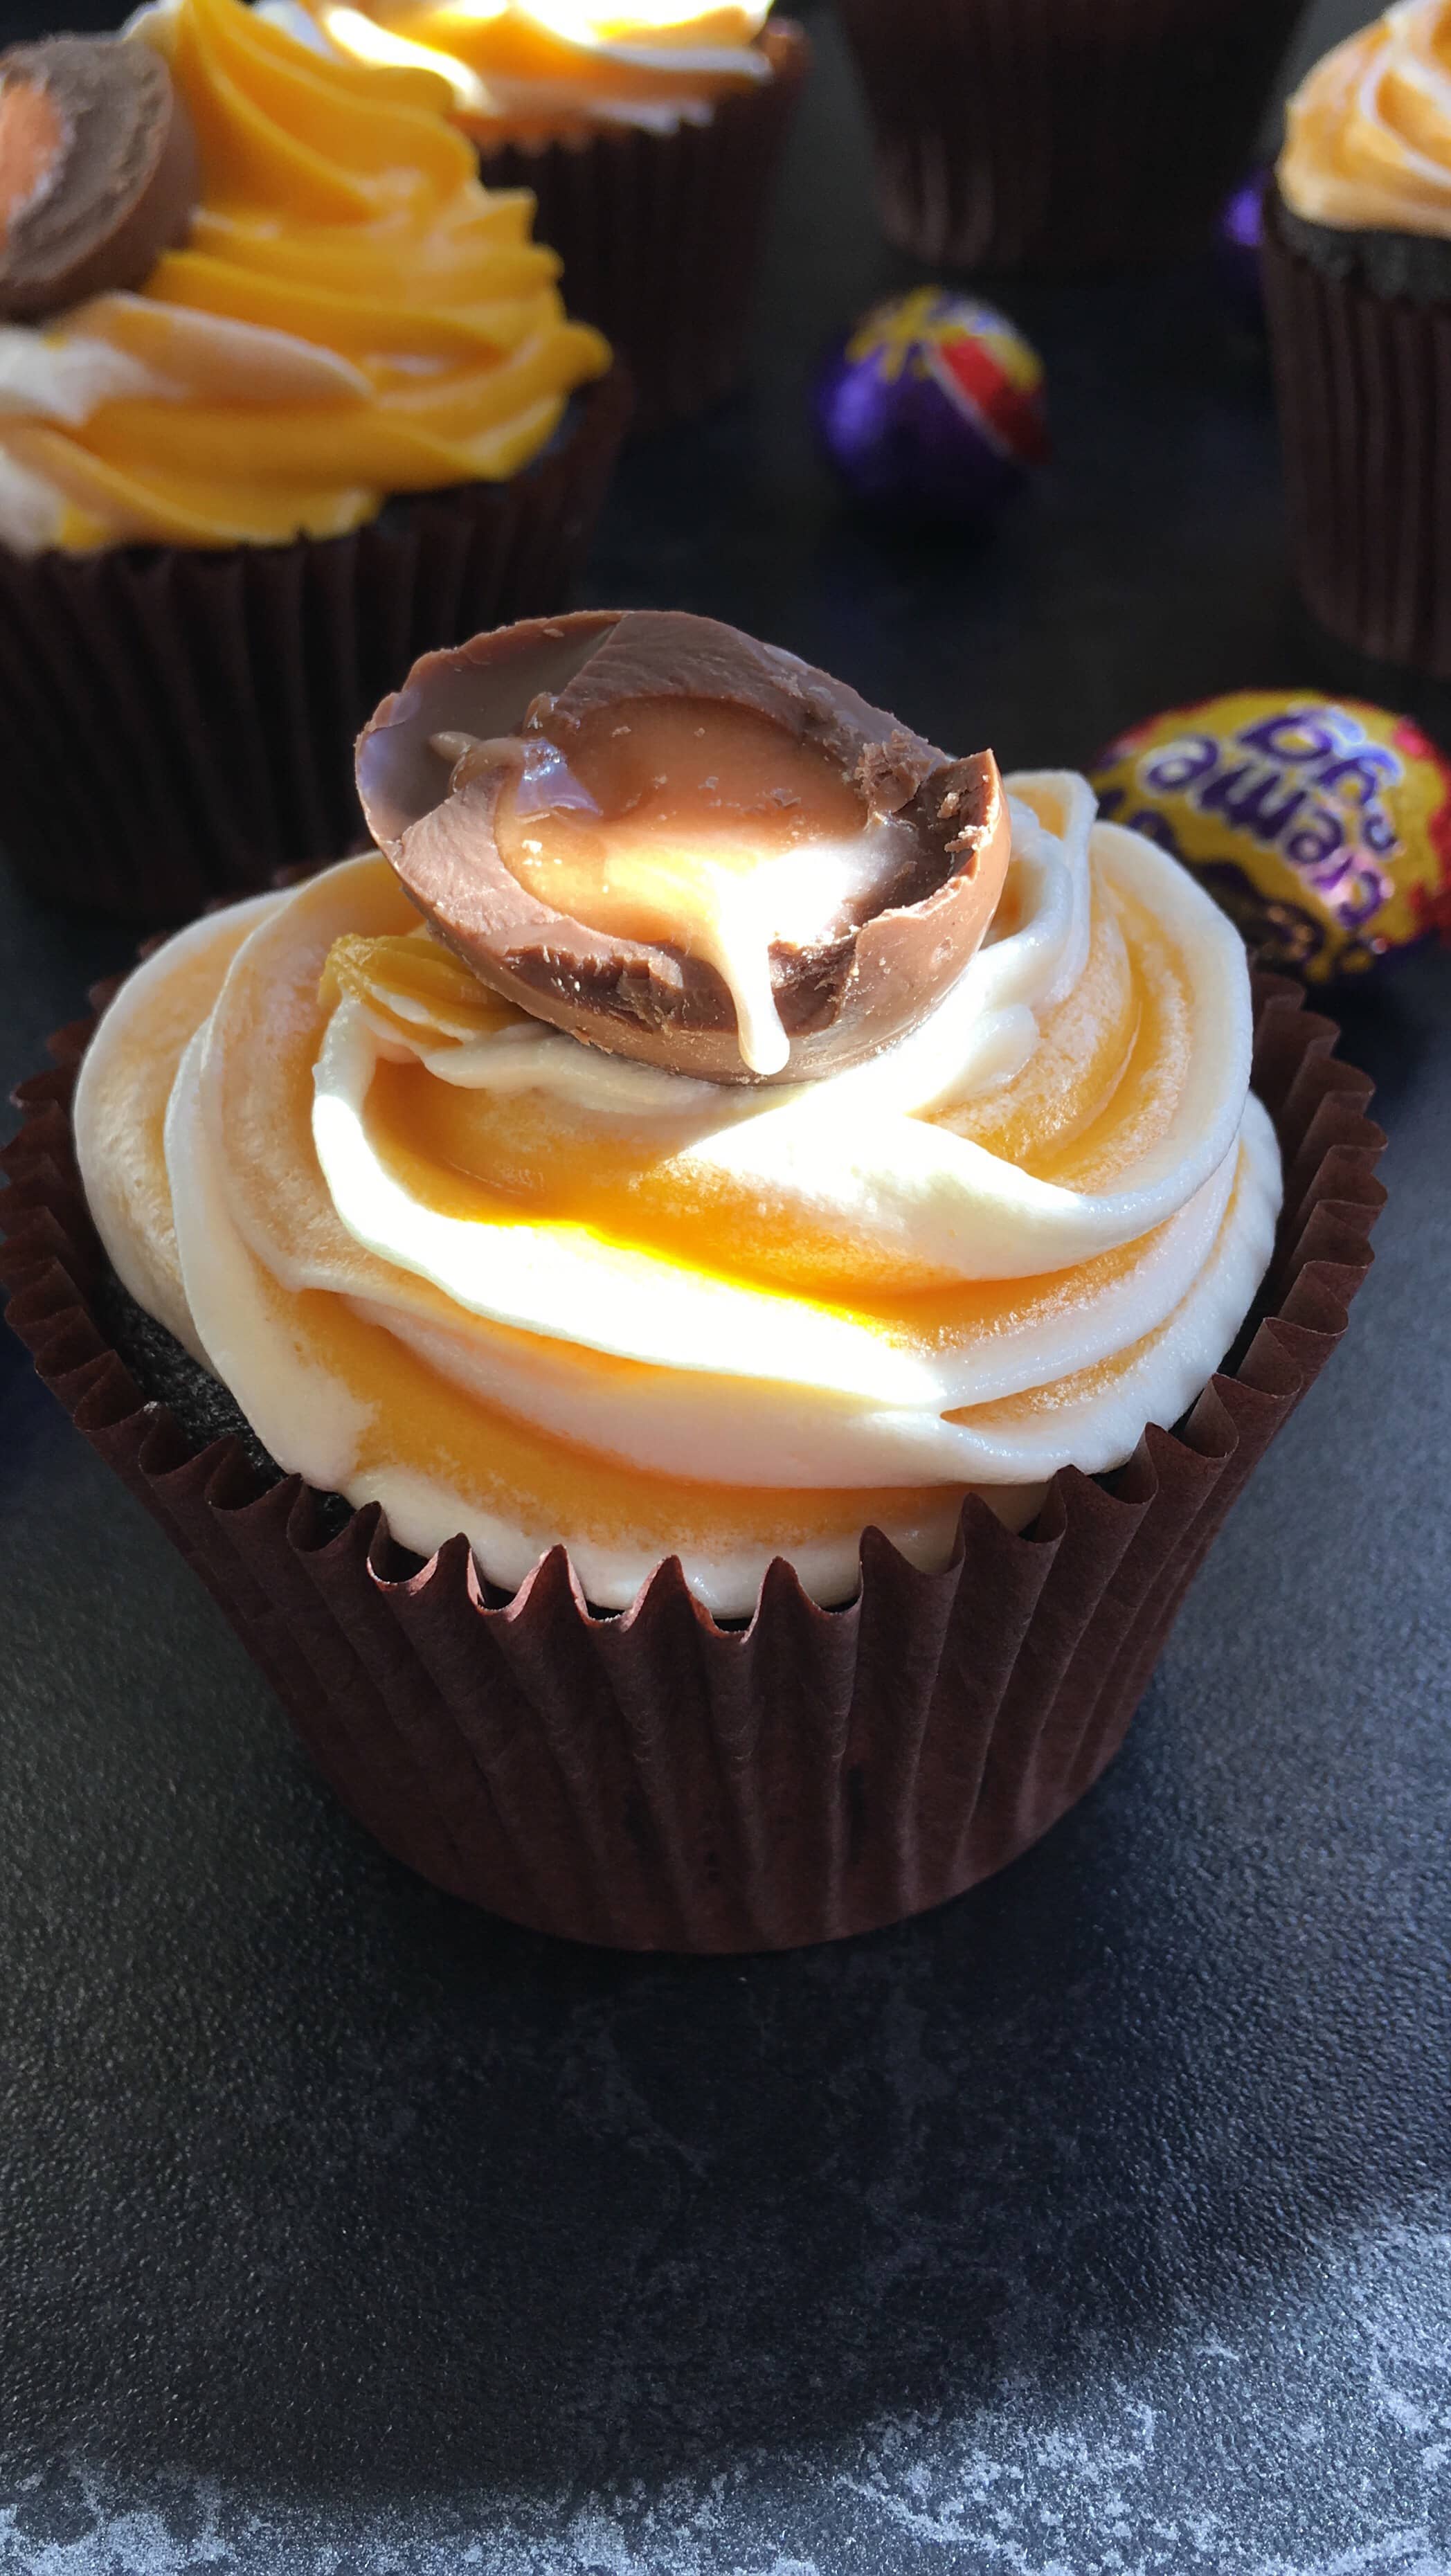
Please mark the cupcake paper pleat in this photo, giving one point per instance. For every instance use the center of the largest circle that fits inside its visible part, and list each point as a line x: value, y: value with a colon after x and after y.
x: 654, y: 1780
x: 1061, y: 134
x: 1364, y: 389
x: 660, y: 234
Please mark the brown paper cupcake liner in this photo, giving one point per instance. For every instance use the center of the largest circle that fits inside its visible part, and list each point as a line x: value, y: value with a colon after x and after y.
x: 655, y: 1780
x: 1061, y: 134
x: 1364, y: 389
x: 176, y: 724
x: 660, y: 234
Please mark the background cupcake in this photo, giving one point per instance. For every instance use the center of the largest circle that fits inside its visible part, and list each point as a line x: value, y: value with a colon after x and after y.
x: 1060, y: 134
x: 650, y: 135
x: 340, y: 410
x: 1357, y: 268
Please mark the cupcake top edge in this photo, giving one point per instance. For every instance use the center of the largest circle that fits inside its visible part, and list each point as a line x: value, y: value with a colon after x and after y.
x: 535, y: 71
x: 1368, y: 132
x: 681, y: 845
x: 310, y: 305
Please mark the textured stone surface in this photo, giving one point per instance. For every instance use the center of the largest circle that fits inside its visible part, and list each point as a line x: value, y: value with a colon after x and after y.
x: 1099, y: 2224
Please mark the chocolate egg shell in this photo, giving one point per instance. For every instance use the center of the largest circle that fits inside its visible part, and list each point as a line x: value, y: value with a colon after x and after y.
x: 873, y: 968
x: 98, y: 170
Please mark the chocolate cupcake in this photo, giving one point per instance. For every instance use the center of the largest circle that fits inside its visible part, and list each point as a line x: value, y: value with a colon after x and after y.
x: 284, y: 394
x: 650, y: 138
x: 1062, y: 135
x: 1357, y: 270
x: 667, y: 1359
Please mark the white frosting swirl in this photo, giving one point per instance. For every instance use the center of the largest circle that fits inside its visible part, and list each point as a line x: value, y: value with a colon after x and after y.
x: 533, y: 66
x: 372, y: 1219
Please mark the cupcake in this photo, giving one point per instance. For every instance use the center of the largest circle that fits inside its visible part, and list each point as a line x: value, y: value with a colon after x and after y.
x: 656, y: 1303
x: 1357, y: 270
x: 284, y: 395
x: 650, y: 136
x: 1065, y: 134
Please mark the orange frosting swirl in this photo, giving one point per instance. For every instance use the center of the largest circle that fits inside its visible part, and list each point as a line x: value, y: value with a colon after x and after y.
x: 450, y: 1260
x: 352, y: 316
x: 1368, y: 134
x: 532, y: 71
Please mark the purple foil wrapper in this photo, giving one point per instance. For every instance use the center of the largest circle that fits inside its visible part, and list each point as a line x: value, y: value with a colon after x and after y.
x: 1238, y: 235
x: 932, y: 407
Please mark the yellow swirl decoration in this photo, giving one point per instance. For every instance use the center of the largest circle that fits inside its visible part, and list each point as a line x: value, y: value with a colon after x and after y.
x: 352, y: 315
x: 534, y: 70
x: 1368, y: 133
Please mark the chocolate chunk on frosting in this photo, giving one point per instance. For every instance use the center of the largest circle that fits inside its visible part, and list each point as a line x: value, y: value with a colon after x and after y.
x: 98, y: 170
x: 681, y: 845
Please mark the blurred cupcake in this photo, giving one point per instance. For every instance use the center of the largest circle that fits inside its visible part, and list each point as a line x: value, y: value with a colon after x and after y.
x: 1065, y: 134
x: 650, y: 134
x: 283, y: 394
x: 1357, y: 267
x: 773, y: 1194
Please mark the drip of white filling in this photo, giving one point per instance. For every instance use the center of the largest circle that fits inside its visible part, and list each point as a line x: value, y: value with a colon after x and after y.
x: 732, y: 907
x: 715, y: 891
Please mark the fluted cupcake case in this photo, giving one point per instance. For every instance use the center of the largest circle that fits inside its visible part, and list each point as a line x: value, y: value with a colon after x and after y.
x: 1061, y: 134
x: 177, y: 723
x: 1363, y: 380
x: 655, y: 1780
x: 660, y: 234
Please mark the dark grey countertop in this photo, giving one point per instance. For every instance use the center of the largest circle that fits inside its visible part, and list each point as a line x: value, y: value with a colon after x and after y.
x: 1098, y: 2224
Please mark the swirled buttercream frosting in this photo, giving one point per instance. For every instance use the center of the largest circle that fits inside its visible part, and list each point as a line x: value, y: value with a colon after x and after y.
x: 1368, y: 132
x: 453, y: 1259
x: 533, y: 71
x: 350, y: 315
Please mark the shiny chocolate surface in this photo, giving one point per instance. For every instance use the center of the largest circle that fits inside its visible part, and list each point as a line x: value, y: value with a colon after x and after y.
x: 690, y: 848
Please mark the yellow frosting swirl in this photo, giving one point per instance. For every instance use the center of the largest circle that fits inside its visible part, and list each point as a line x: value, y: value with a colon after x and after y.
x: 533, y: 70
x: 1368, y: 138
x: 352, y: 316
